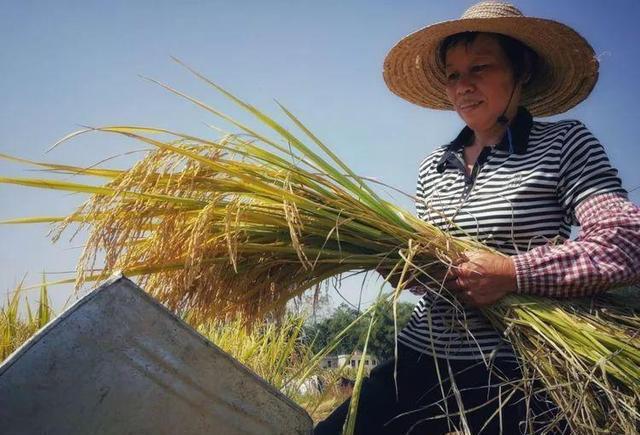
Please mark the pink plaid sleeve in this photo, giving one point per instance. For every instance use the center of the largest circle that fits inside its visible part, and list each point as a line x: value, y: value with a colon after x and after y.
x: 606, y: 253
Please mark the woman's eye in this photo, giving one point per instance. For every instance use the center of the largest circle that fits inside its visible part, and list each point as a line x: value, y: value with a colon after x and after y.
x: 478, y: 68
x: 452, y: 76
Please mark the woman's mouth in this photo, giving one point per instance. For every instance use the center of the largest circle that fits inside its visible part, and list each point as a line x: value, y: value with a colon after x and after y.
x: 467, y: 107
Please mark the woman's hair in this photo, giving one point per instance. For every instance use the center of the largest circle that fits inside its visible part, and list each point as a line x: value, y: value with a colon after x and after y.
x: 523, y: 60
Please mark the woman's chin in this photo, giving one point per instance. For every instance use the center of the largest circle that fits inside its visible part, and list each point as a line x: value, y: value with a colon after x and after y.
x: 478, y: 121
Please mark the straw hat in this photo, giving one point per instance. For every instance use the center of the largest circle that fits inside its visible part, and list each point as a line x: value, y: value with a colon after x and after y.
x: 566, y: 73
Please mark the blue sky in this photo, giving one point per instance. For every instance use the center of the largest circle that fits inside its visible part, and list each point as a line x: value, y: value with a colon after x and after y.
x: 71, y: 63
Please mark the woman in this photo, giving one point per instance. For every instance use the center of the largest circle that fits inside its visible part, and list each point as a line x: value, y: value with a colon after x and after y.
x: 517, y: 185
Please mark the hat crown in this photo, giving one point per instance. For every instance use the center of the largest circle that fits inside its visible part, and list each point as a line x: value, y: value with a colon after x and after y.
x: 491, y: 9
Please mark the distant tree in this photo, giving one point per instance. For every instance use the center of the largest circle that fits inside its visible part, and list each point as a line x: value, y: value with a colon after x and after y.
x: 323, y: 332
x: 382, y: 340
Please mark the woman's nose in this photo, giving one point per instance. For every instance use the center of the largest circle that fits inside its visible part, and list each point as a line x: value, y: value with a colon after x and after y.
x: 465, y: 84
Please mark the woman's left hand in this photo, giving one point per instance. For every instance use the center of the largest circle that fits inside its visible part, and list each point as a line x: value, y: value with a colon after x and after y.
x: 482, y: 278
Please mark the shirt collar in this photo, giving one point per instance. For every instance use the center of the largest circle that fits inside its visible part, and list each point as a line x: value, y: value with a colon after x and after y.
x: 520, y: 129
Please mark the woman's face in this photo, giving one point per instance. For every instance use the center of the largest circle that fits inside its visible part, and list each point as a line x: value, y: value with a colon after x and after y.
x: 480, y: 82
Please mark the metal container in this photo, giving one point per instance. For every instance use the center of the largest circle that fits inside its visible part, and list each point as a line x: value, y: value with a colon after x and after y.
x: 118, y: 362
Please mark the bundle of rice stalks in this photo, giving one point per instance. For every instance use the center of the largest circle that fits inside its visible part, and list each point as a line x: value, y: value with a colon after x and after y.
x: 245, y: 223
x: 586, y: 353
x: 241, y: 224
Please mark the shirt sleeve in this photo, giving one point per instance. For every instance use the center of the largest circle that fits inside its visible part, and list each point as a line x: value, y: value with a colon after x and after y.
x: 584, y: 170
x: 606, y: 252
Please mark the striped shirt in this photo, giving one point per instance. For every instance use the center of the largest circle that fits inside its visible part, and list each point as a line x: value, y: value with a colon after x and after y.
x: 523, y: 196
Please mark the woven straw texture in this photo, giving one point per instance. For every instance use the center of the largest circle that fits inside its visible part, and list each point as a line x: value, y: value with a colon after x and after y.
x: 566, y: 73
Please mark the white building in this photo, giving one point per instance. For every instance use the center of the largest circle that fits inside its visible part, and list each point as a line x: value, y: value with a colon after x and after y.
x: 349, y: 360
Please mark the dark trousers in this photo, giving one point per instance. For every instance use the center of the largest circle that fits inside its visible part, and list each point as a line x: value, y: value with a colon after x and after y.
x: 491, y: 398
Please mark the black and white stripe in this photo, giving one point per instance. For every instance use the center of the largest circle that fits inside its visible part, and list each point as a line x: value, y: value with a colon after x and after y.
x: 516, y: 202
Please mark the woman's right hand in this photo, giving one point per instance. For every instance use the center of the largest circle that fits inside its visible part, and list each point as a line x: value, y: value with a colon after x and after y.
x: 411, y: 283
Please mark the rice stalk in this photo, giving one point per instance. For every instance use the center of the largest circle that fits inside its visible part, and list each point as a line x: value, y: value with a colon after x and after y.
x: 352, y: 415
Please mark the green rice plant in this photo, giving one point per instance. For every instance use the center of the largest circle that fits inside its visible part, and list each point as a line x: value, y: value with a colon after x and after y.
x: 350, y: 422
x: 16, y: 327
x: 273, y: 349
x: 239, y: 225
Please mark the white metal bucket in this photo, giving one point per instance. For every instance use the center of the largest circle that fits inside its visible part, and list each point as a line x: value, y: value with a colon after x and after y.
x: 118, y: 362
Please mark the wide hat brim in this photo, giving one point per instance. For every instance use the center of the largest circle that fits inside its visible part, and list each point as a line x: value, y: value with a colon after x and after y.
x: 566, y: 73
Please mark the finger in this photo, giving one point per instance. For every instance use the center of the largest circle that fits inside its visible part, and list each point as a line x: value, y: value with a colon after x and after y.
x: 470, y: 271
x: 461, y: 259
x: 457, y: 285
x: 451, y: 285
x: 471, y: 254
x: 463, y: 269
x: 473, y: 298
x: 474, y: 264
x: 466, y: 297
